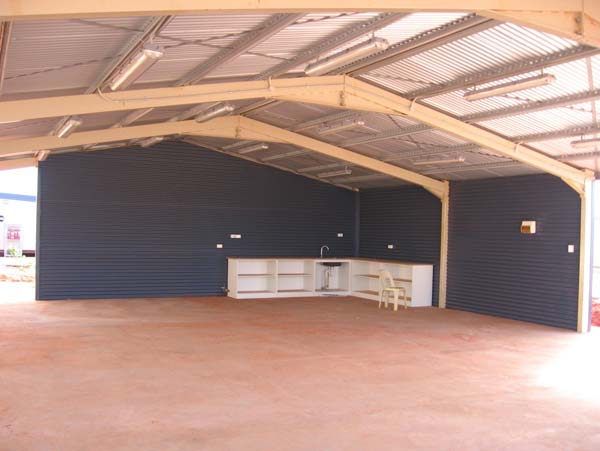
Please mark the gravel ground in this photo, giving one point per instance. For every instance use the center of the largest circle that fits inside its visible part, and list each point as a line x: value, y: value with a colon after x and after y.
x: 17, y: 277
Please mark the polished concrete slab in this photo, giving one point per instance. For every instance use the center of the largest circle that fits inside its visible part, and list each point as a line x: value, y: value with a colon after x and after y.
x: 289, y: 374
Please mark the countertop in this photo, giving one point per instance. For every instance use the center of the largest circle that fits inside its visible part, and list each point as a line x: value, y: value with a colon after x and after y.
x: 325, y: 259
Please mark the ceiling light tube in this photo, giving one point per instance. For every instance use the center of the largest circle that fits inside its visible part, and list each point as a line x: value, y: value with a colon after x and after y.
x: 345, y: 171
x: 69, y: 126
x: 211, y: 113
x: 253, y: 148
x: 359, y: 51
x: 341, y: 127
x: 447, y: 161
x: 134, y: 69
x: 512, y: 86
x: 586, y: 143
x: 106, y: 146
x: 148, y: 142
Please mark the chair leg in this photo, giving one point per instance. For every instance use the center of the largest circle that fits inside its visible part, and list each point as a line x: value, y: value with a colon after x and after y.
x: 405, y: 301
x: 380, y: 299
x: 396, y: 300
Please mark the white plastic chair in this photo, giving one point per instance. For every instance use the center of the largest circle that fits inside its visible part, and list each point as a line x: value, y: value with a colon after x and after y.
x: 387, y: 287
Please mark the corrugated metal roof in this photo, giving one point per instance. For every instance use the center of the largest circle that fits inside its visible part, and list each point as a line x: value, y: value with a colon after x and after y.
x: 495, y: 46
x: 51, y: 57
x: 540, y: 122
x: 190, y: 40
x: 34, y: 127
x: 405, y: 28
x: 570, y: 78
x: 47, y: 55
x: 303, y: 34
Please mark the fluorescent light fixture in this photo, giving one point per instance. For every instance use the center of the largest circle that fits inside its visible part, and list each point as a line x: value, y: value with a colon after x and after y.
x: 139, y: 64
x: 69, y: 126
x: 253, y: 148
x: 359, y: 51
x: 341, y: 127
x: 512, y: 86
x: 586, y: 143
x: 105, y: 146
x: 148, y: 142
x: 447, y: 161
x: 211, y: 113
x: 345, y: 171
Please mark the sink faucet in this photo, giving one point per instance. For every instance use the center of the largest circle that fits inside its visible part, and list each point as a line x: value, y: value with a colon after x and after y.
x: 324, y: 247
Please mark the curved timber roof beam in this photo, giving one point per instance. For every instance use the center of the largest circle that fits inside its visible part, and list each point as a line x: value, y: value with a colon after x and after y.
x: 232, y: 127
x: 334, y: 91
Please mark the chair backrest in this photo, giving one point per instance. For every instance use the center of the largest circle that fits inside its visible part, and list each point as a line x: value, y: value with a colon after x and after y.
x: 385, y: 279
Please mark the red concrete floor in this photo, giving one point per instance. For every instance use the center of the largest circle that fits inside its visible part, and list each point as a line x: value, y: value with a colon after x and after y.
x: 295, y: 374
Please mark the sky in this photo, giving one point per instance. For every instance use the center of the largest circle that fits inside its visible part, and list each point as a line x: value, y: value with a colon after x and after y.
x: 19, y: 181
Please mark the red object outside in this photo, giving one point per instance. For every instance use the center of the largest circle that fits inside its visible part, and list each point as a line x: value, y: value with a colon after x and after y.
x: 596, y: 312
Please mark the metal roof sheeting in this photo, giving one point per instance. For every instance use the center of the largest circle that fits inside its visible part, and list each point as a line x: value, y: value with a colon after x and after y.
x: 190, y: 40
x: 570, y: 78
x: 52, y: 57
x: 48, y: 55
x: 306, y: 32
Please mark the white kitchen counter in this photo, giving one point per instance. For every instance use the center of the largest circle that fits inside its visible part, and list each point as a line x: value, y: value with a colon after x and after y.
x: 275, y: 277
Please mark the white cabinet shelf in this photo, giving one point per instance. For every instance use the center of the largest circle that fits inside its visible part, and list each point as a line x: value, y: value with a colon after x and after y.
x: 289, y: 277
x: 256, y: 275
x: 287, y: 274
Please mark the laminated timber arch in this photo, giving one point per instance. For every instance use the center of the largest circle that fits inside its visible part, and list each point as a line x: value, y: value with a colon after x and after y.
x: 334, y: 91
x: 232, y: 127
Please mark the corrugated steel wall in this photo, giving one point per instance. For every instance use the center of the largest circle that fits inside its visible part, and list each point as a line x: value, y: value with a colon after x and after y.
x: 494, y: 269
x: 145, y: 222
x: 408, y: 217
